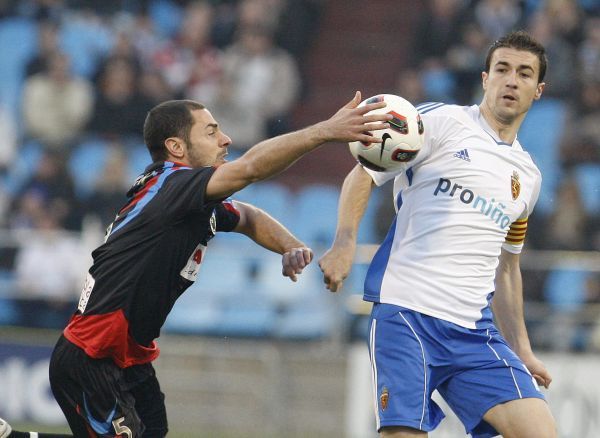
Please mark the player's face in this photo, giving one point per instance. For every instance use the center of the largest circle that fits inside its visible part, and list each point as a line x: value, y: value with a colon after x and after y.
x: 511, y: 85
x: 208, y: 144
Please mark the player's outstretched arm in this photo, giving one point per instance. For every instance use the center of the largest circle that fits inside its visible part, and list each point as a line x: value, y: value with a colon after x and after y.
x: 337, y: 261
x: 508, y: 311
x: 269, y: 157
x: 271, y: 234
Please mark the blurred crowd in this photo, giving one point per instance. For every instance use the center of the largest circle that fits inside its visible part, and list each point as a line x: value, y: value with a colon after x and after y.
x: 78, y: 77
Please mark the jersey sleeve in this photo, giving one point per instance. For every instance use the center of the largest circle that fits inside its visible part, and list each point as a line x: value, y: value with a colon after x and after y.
x: 185, y: 189
x: 227, y: 216
x: 515, y: 238
x: 435, y: 122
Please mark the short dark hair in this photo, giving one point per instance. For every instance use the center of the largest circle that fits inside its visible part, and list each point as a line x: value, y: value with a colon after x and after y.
x: 172, y: 118
x: 520, y: 40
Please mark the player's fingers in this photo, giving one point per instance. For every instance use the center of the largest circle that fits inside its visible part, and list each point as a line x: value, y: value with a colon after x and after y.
x: 376, y: 126
x: 377, y: 117
x: 367, y: 137
x: 308, y: 255
x: 354, y: 102
x: 288, y: 272
x: 371, y: 106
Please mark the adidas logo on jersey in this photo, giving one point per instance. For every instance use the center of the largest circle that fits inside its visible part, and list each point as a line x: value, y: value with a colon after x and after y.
x: 463, y: 155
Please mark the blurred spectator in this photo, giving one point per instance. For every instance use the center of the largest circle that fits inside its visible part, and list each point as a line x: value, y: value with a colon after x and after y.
x: 123, y: 50
x: 464, y: 61
x: 259, y: 13
x: 48, y: 45
x: 589, y: 51
x: 49, y: 189
x: 190, y: 63
x: 567, y: 225
x: 559, y: 78
x: 298, y: 26
x: 436, y: 30
x: 56, y: 105
x: 48, y: 268
x: 566, y: 17
x: 260, y: 84
x: 154, y: 87
x: 410, y: 86
x: 581, y: 142
x: 108, y: 196
x: 497, y: 17
x: 120, y: 108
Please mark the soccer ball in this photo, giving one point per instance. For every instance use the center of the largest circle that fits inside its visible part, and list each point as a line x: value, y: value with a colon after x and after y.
x: 400, y: 142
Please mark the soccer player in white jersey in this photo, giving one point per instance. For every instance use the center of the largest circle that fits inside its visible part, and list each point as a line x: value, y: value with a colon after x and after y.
x: 451, y: 255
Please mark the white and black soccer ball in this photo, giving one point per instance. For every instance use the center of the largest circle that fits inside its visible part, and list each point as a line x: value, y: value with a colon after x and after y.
x: 400, y: 142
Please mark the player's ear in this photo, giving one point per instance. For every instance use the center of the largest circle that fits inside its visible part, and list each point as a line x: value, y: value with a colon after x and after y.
x: 175, y: 147
x: 539, y: 90
x: 484, y: 78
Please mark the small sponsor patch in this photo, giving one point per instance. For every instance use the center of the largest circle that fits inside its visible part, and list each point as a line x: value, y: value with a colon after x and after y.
x: 88, y: 285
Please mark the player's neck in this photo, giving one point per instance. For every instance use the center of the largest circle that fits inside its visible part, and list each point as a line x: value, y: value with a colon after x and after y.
x: 506, y: 130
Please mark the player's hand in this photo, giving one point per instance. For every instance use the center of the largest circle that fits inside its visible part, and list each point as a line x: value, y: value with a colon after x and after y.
x: 538, y: 370
x: 294, y: 261
x: 335, y: 265
x: 350, y: 123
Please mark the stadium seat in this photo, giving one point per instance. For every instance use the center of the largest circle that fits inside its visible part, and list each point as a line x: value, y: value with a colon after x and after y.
x: 367, y: 231
x: 167, y: 17
x: 223, y: 274
x: 315, y: 215
x: 86, y: 42
x: 18, y: 39
x: 86, y: 164
x: 565, y: 289
x: 138, y: 158
x: 588, y: 179
x: 306, y: 320
x: 540, y: 135
x: 28, y: 158
x: 247, y: 314
x: 194, y: 313
x: 9, y: 315
x: 274, y: 198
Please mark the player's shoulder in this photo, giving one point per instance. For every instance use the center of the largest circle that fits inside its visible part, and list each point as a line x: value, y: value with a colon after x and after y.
x: 441, y: 109
x: 525, y: 157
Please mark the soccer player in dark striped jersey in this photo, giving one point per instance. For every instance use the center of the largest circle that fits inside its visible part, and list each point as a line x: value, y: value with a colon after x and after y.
x: 101, y: 369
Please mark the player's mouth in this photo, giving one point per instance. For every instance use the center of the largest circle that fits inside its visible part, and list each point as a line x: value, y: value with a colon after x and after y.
x: 509, y: 97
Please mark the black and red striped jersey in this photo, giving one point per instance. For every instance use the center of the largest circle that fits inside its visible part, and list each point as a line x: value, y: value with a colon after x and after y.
x: 150, y: 256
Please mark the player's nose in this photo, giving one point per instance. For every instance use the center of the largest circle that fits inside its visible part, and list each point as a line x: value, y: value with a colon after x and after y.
x: 225, y: 140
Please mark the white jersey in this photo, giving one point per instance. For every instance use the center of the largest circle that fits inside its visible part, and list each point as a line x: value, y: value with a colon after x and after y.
x: 464, y: 197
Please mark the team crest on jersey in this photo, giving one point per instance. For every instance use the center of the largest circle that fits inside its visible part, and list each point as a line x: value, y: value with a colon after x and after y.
x: 384, y: 398
x: 515, y: 185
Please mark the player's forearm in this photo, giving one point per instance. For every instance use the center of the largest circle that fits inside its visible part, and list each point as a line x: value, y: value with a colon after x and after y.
x: 267, y: 231
x: 508, y: 309
x: 354, y: 198
x: 274, y: 155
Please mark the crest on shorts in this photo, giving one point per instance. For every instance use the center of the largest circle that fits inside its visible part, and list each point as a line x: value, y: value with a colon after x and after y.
x: 384, y: 398
x: 515, y: 185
